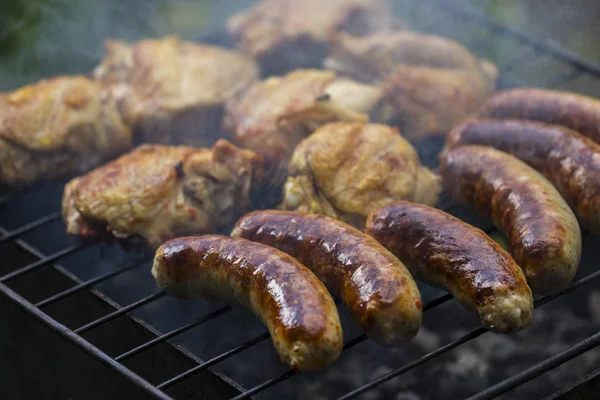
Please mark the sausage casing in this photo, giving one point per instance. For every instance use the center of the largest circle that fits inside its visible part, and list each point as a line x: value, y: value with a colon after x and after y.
x: 575, y: 111
x: 380, y: 292
x: 297, y: 309
x: 542, y: 230
x: 568, y: 159
x: 446, y: 252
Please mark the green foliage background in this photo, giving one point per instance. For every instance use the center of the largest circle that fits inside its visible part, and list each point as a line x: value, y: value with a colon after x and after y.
x: 40, y: 38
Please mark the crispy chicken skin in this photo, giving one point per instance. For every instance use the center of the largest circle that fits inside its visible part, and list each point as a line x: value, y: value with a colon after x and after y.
x: 173, y: 91
x: 274, y: 115
x: 57, y: 127
x: 431, y: 82
x: 287, y: 34
x: 348, y: 170
x: 158, y: 192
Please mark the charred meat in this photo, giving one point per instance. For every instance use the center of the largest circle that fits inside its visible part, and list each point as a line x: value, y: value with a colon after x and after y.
x: 348, y: 170
x: 431, y: 82
x: 287, y: 34
x: 58, y: 127
x: 172, y: 91
x: 274, y: 115
x: 158, y: 192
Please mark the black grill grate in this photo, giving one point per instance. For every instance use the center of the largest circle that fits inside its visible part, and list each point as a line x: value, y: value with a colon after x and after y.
x: 435, y: 17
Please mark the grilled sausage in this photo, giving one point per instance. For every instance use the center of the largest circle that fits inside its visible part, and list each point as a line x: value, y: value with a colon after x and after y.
x: 446, y: 252
x: 297, y: 309
x: 569, y: 160
x: 542, y: 231
x: 580, y: 113
x: 371, y: 281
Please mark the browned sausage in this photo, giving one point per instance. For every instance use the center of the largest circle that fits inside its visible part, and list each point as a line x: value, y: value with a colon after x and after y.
x: 581, y: 113
x: 297, y: 309
x: 543, y: 233
x: 371, y: 281
x: 568, y: 159
x: 446, y: 252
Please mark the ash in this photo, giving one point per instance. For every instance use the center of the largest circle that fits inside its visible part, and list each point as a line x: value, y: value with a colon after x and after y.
x: 467, y: 369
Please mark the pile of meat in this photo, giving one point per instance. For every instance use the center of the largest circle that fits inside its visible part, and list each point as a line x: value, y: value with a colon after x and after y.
x: 346, y: 85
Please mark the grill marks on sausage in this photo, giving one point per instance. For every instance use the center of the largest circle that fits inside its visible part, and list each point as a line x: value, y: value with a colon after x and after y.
x: 446, y: 252
x: 580, y: 113
x: 543, y: 232
x: 371, y: 281
x: 293, y: 303
x: 568, y: 159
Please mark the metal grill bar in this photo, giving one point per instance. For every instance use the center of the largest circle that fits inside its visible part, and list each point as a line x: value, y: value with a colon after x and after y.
x: 432, y: 304
x: 436, y: 302
x: 512, y: 81
x: 265, y: 385
x: 539, y: 369
x: 30, y: 226
x: 77, y: 340
x: 407, y: 367
x: 174, y: 332
x: 581, y: 65
x: 43, y: 261
x: 572, y: 386
x: 91, y: 282
x: 464, y: 339
x: 119, y: 312
x: 204, y: 365
x: 521, y: 60
x: 545, y: 45
x: 481, y: 42
x: 563, y: 78
x: 353, y: 342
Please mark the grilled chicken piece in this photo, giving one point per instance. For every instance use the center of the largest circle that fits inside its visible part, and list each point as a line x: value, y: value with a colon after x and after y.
x: 370, y: 58
x: 158, y: 192
x: 276, y: 114
x: 287, y: 34
x: 430, y: 81
x: 429, y: 101
x: 58, y: 127
x: 348, y: 170
x: 173, y: 91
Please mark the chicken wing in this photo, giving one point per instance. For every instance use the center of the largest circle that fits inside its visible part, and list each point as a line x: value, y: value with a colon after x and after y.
x: 347, y: 170
x: 276, y: 114
x: 431, y: 82
x: 287, y: 34
x: 57, y: 127
x: 158, y: 192
x: 173, y: 91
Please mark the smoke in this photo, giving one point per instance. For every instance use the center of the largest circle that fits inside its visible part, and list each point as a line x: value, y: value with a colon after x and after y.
x: 42, y: 38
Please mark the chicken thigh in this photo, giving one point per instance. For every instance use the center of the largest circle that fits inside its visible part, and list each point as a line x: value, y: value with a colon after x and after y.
x: 430, y: 82
x: 158, y: 192
x: 172, y: 91
x: 286, y: 34
x: 58, y: 127
x: 347, y: 170
x: 276, y: 114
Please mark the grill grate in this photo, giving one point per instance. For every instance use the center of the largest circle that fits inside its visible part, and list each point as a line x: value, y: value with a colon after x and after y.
x: 433, y: 17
